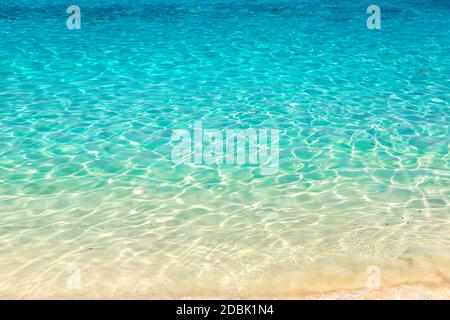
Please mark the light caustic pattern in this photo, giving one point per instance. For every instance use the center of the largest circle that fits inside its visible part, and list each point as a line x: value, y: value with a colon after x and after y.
x: 87, y: 115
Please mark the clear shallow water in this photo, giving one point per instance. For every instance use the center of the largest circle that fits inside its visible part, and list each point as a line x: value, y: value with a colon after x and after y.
x: 86, y: 118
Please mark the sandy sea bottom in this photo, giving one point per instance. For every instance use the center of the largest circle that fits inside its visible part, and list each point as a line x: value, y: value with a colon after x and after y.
x: 211, y: 253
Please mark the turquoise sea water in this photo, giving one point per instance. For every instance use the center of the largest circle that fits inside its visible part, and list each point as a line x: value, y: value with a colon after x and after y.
x: 86, y: 119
